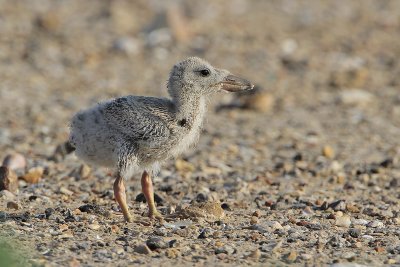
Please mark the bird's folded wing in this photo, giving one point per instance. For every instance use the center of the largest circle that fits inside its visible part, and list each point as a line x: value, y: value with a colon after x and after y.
x: 136, y: 122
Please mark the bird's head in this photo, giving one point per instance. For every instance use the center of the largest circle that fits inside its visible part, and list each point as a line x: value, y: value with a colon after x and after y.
x: 196, y: 76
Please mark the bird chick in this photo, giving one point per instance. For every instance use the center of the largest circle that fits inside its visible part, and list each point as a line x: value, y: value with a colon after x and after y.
x: 137, y: 133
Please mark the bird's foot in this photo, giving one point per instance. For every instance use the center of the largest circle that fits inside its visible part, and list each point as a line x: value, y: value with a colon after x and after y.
x: 128, y: 218
x: 156, y: 215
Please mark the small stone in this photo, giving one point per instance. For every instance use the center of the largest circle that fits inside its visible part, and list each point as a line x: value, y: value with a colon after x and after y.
x: 257, y: 213
x: 225, y: 250
x: 3, y: 216
x: 63, y: 227
x: 66, y: 191
x: 367, y: 237
x: 225, y: 206
x: 380, y: 249
x: 338, y: 205
x: 120, y: 251
x: 156, y: 243
x: 34, y: 175
x: 308, y: 211
x: 253, y: 220
x: 352, y: 208
x: 84, y: 171
x: 360, y: 222
x: 12, y: 205
x: 328, y: 152
x: 260, y: 101
x: 7, y: 195
x: 275, y: 225
x: 172, y: 253
x: 184, y: 166
x: 375, y: 224
x: 255, y: 255
x: 221, y: 256
x: 142, y: 249
x: 390, y: 261
x: 127, y: 45
x: 94, y: 226
x: 350, y: 256
x: 343, y: 221
x: 339, y: 214
x: 292, y: 256
x: 206, y: 233
x: 354, y: 232
x: 49, y: 21
x: 201, y: 197
x: 8, y: 180
x: 219, y: 244
x: 306, y: 257
x: 356, y: 97
x: 14, y: 161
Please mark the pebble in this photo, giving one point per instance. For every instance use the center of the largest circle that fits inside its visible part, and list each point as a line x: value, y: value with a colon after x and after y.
x: 275, y: 225
x: 225, y: 250
x: 12, y: 205
x: 354, y: 232
x: 360, y: 222
x: 94, y: 226
x: 142, y: 249
x: 34, y: 175
x: 292, y: 256
x: 3, y: 216
x: 7, y: 195
x: 8, y: 180
x: 328, y: 152
x: 184, y: 166
x: 84, y: 171
x: 256, y: 213
x: 255, y: 255
x: 338, y: 205
x: 352, y: 208
x: 127, y: 45
x: 343, y: 221
x: 350, y: 256
x: 375, y: 224
x: 14, y: 161
x: 355, y: 97
x: 253, y: 220
x: 156, y: 243
x: 390, y: 261
x: 306, y: 257
x: 66, y: 191
x: 206, y: 233
x: 369, y: 237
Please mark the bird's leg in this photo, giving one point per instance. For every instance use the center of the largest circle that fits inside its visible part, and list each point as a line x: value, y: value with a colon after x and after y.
x: 147, y: 189
x: 120, y: 197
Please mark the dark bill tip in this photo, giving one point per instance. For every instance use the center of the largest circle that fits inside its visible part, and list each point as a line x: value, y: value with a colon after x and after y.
x: 233, y: 83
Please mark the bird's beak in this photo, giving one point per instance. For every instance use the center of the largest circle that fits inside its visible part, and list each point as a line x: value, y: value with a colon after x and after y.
x: 233, y: 83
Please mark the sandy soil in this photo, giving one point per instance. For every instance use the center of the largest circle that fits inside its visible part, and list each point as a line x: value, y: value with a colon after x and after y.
x: 305, y: 172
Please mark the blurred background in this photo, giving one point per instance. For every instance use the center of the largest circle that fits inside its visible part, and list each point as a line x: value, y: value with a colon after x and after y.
x: 327, y: 67
x: 321, y: 131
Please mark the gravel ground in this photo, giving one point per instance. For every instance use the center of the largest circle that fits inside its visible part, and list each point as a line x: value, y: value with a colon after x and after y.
x: 306, y: 171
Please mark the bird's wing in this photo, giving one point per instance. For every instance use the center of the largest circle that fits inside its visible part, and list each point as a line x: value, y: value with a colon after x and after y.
x: 136, y: 121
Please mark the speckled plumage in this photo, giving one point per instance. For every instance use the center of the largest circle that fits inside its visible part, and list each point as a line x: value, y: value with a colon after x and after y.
x: 136, y: 132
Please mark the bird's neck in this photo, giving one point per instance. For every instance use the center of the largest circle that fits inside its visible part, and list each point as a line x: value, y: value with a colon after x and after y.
x: 190, y: 109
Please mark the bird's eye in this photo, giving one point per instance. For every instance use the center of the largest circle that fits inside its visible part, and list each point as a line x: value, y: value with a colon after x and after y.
x: 205, y: 72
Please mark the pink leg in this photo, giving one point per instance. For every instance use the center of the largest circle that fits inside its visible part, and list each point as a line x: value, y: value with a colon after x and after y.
x: 148, y: 191
x: 120, y: 197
